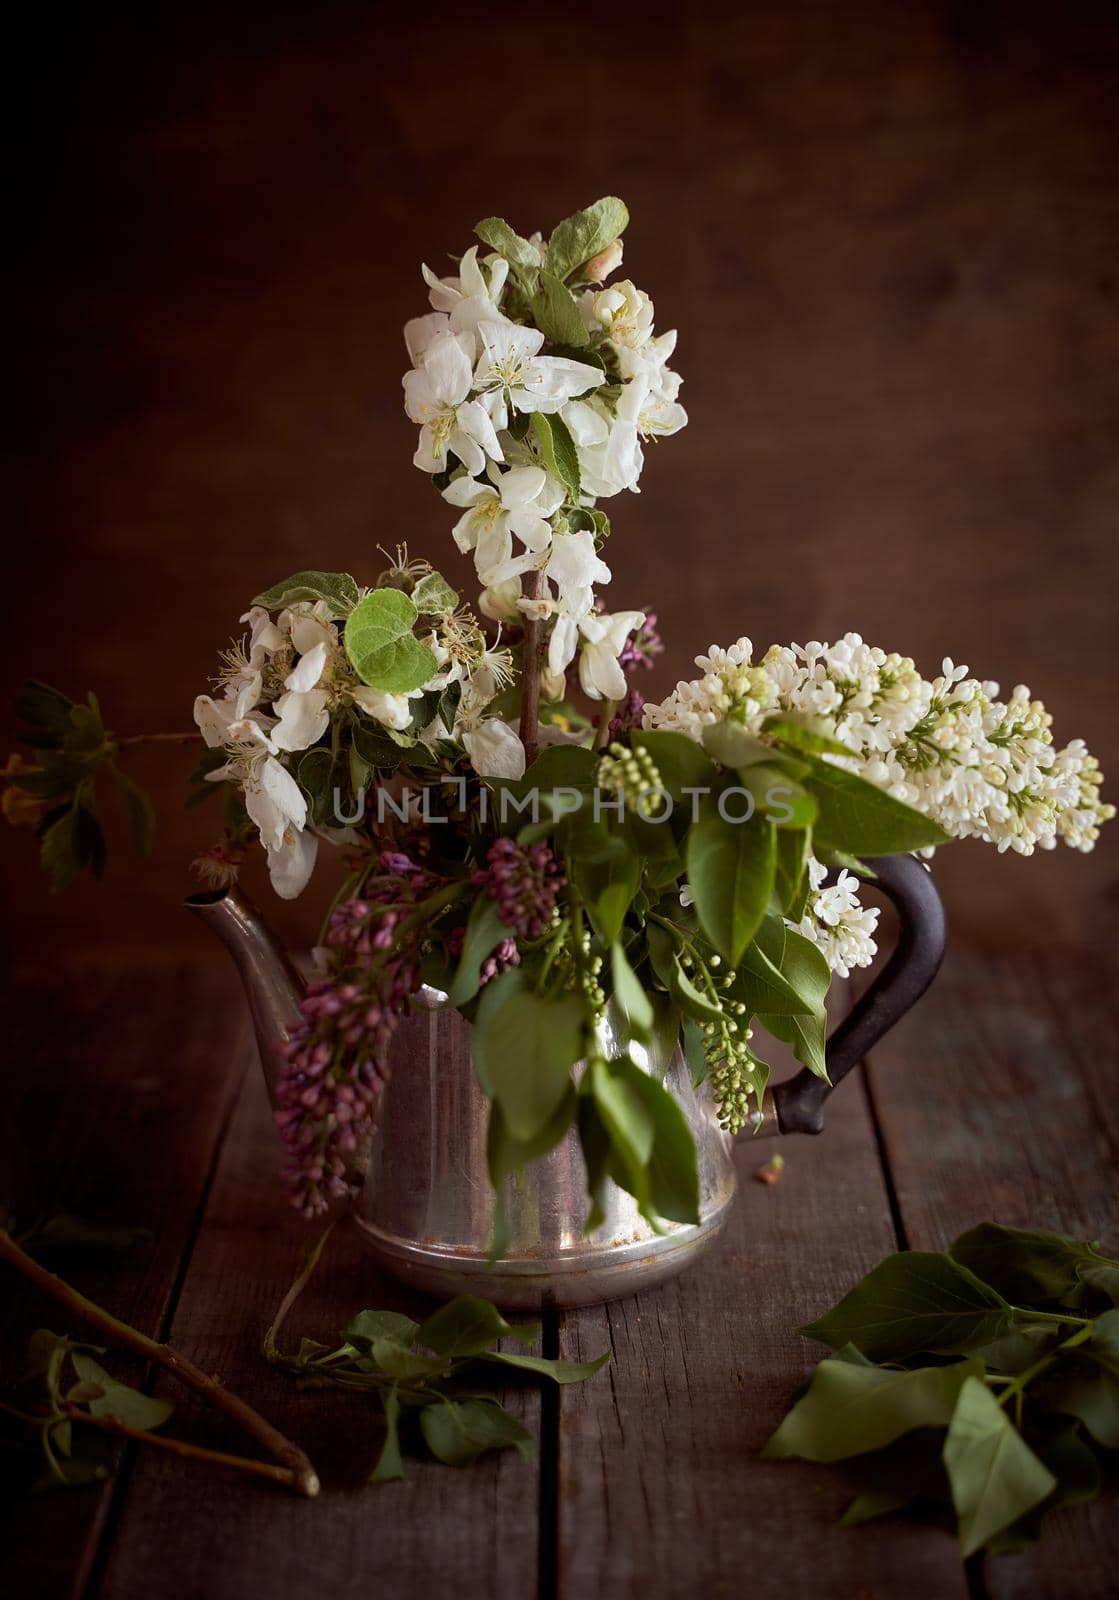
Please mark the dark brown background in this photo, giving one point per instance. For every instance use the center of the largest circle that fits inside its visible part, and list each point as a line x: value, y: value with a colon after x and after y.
x: 887, y: 233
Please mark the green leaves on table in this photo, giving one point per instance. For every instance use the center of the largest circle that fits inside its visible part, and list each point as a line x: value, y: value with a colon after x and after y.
x: 57, y: 792
x: 918, y: 1300
x: 76, y: 1388
x: 430, y: 1377
x: 982, y: 1383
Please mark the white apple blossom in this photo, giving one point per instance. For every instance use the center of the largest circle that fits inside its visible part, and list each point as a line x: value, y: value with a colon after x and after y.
x: 469, y: 298
x: 600, y: 639
x: 624, y: 311
x: 302, y: 708
x: 614, y: 463
x: 435, y: 395
x: 516, y: 502
x: 494, y: 748
x: 512, y: 374
x: 574, y: 566
x: 390, y: 710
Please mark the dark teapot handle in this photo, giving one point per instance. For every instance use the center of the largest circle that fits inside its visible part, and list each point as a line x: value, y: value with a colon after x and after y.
x: 799, y: 1101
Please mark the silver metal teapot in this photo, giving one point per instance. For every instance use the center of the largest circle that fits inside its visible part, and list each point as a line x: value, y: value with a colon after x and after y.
x: 426, y: 1205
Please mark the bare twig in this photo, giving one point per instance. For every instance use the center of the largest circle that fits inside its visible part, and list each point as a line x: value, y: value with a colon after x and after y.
x: 156, y: 738
x: 530, y: 673
x: 302, y: 1474
x: 180, y: 1447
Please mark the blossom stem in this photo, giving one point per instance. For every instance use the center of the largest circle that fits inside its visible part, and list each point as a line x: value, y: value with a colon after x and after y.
x: 530, y: 673
x: 156, y: 738
x: 302, y: 1475
x: 269, y: 1348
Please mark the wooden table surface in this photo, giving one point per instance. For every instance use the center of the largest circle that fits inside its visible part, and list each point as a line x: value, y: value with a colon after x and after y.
x: 137, y: 1089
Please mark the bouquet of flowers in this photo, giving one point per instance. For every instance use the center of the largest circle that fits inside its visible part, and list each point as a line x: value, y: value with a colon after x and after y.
x: 520, y: 830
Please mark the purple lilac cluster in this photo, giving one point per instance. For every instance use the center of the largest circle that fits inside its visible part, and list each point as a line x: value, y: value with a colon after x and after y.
x: 504, y: 955
x: 642, y: 646
x: 627, y: 714
x: 524, y: 882
x: 334, y: 1061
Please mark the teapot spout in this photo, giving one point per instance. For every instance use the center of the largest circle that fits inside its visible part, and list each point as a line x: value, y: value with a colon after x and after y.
x: 272, y: 985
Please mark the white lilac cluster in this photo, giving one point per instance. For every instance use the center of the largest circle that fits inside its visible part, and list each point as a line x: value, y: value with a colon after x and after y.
x: 479, y: 378
x: 981, y: 767
x: 278, y: 692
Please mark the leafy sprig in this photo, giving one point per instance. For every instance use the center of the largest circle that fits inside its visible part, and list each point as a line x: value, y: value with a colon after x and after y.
x: 982, y: 1382
x: 430, y: 1377
x: 58, y: 792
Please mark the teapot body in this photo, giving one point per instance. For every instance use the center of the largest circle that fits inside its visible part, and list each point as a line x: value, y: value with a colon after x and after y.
x: 427, y: 1204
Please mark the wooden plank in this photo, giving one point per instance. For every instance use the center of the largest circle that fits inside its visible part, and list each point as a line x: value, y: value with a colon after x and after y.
x: 661, y: 1491
x: 186, y: 1532
x: 994, y: 1105
x: 125, y: 1081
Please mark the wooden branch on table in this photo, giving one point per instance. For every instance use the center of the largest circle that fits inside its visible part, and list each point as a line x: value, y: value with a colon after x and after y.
x: 300, y: 1474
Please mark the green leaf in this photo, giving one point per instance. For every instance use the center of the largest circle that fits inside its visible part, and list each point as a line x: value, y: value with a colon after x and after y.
x: 630, y: 995
x: 557, y: 450
x: 730, y: 869
x: 802, y: 963
x: 457, y: 1432
x: 558, y: 1371
x: 320, y: 773
x: 858, y: 817
x: 46, y: 715
x: 779, y: 798
x: 624, y: 1113
x: 910, y: 1469
x: 484, y: 932
x: 1103, y: 1281
x: 402, y: 1362
x: 530, y: 1046
x: 995, y: 1476
x: 761, y: 986
x: 806, y: 732
x: 73, y: 841
x: 374, y: 746
x: 850, y: 1409
x: 579, y: 238
x: 731, y: 746
x: 651, y: 1136
x: 1072, y: 1461
x: 1090, y: 1388
x: 916, y: 1300
x: 666, y: 964
x: 497, y: 233
x: 681, y: 762
x: 556, y: 315
x: 466, y: 1326
x: 370, y: 1325
x: 382, y: 647
x: 128, y: 1405
x: 141, y: 812
x: 434, y: 597
x: 607, y: 886
x: 338, y: 589
x: 559, y: 766
x: 506, y: 1156
x: 389, y: 1466
x: 1027, y: 1266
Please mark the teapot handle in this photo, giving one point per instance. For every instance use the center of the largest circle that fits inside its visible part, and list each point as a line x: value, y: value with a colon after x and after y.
x: 798, y: 1103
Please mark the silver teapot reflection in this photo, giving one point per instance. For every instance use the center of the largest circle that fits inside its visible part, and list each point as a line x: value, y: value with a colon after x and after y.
x: 426, y: 1205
